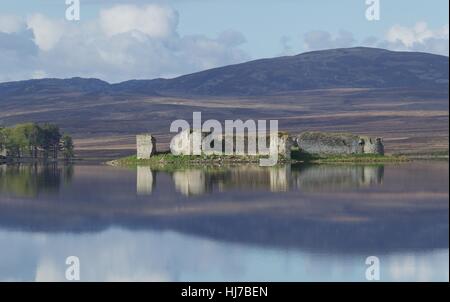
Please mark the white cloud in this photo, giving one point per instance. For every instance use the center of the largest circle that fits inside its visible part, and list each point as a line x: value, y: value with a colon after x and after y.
x: 418, y: 38
x: 46, y: 32
x: 124, y: 42
x: 18, y: 55
x: 153, y: 20
x: 286, y: 46
x: 10, y: 24
x: 400, y: 38
x: 231, y: 37
x: 419, y: 33
x: 142, y: 42
x: 39, y: 74
x: 317, y: 40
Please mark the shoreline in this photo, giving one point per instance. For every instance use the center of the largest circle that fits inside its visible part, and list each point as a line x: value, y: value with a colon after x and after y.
x: 168, y: 160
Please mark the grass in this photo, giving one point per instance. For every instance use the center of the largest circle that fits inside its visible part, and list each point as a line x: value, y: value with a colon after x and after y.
x: 350, y: 158
x: 439, y: 155
x: 169, y: 161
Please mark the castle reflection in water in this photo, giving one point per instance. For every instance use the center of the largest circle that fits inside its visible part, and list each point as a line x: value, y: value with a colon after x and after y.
x: 284, y: 178
x: 30, y: 180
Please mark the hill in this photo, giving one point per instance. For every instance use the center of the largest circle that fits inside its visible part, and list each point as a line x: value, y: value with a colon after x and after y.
x: 358, y: 67
x: 402, y: 96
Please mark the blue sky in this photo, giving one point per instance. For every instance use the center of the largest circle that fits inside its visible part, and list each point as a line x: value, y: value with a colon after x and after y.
x: 254, y: 29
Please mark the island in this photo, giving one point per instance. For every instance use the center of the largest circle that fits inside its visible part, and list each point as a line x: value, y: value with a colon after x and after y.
x: 305, y: 147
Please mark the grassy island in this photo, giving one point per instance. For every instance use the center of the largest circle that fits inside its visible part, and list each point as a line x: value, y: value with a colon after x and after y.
x: 347, y: 158
x: 167, y: 160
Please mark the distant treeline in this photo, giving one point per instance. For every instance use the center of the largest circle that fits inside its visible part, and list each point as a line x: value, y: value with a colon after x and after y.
x: 35, y: 141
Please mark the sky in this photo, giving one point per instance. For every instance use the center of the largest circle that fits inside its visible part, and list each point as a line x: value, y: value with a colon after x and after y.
x: 118, y: 40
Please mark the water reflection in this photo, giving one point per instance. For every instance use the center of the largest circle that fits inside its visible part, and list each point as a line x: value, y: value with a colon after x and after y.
x: 123, y: 255
x: 145, y: 180
x: 274, y: 179
x: 319, y: 178
x: 29, y: 180
x: 192, y: 181
x: 328, y: 217
x: 283, y: 178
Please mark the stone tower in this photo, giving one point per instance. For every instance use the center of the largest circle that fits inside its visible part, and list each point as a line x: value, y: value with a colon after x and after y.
x: 373, y: 146
x: 145, y: 146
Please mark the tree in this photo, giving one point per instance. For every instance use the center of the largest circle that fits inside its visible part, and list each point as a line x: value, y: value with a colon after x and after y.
x: 6, y: 141
x: 67, y: 147
x: 2, y: 140
x: 30, y: 138
x: 20, y: 139
x: 50, y: 139
x: 33, y: 132
x: 16, y: 142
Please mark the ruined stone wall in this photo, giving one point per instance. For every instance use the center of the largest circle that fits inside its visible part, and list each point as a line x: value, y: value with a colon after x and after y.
x: 285, y: 144
x: 338, y: 143
x: 373, y: 146
x: 145, y: 146
x: 329, y: 143
x: 182, y: 144
x: 310, y: 142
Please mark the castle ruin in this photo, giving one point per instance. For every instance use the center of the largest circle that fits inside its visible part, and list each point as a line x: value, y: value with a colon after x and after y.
x: 183, y: 144
x: 338, y: 143
x: 145, y: 145
x: 281, y: 144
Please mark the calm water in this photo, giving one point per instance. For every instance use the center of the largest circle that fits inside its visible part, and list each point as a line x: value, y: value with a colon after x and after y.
x: 289, y: 223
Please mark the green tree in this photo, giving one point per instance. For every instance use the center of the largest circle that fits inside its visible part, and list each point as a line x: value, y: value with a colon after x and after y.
x: 29, y: 138
x: 33, y: 133
x: 16, y: 142
x: 2, y: 140
x: 29, y: 135
x: 67, y: 147
x: 50, y: 139
x: 6, y: 140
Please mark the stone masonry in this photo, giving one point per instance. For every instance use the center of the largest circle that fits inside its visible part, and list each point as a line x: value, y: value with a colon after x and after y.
x: 338, y: 143
x: 182, y: 144
x: 145, y: 145
x: 309, y: 142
